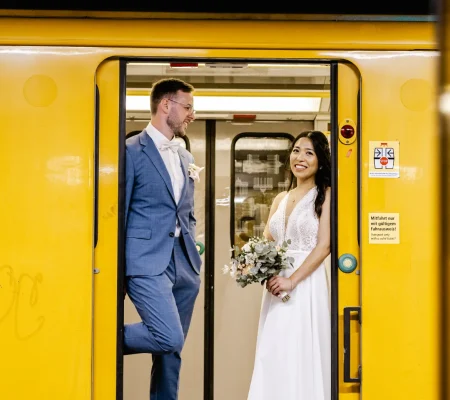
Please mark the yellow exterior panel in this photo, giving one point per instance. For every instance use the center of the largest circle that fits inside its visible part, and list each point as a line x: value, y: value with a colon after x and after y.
x: 400, y: 282
x: 46, y: 147
x: 227, y: 34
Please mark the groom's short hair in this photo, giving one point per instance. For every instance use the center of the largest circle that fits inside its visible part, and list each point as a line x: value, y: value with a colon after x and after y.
x: 167, y: 87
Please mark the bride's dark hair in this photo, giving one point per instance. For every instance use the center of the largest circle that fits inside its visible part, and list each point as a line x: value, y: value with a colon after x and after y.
x: 323, y: 174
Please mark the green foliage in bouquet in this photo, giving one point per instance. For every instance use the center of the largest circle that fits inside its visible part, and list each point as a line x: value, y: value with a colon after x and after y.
x: 257, y: 261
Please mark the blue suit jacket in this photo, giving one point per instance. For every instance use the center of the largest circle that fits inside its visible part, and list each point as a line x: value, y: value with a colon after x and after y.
x: 151, y: 210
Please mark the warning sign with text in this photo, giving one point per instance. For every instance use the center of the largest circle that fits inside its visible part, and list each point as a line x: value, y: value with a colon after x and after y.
x: 384, y: 228
x: 384, y: 160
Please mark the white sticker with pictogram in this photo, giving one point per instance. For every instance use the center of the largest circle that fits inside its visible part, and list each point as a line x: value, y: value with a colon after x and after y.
x: 384, y: 159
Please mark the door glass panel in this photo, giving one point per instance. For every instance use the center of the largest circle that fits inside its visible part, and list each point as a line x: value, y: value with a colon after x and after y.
x: 259, y: 173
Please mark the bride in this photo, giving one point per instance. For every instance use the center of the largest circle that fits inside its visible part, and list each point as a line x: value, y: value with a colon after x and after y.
x: 293, y: 350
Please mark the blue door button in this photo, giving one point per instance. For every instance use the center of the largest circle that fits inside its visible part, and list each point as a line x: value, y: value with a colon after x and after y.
x: 347, y: 263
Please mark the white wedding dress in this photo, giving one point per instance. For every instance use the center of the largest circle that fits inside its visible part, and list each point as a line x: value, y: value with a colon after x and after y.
x: 293, y: 349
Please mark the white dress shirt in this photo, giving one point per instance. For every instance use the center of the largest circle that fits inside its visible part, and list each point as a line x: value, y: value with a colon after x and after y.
x: 173, y: 164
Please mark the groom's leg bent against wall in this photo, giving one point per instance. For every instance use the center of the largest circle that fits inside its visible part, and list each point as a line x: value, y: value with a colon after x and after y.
x: 166, y: 368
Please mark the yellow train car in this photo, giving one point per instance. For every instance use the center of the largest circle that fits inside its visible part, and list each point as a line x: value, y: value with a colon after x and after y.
x: 74, y: 85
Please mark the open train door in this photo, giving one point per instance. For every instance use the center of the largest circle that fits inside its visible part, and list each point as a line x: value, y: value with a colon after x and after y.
x: 108, y: 256
x: 345, y: 252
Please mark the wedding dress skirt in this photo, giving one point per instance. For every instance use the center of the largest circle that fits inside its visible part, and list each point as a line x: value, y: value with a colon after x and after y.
x: 293, y: 351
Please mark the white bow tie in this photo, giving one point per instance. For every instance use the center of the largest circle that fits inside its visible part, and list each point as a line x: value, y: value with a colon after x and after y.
x: 172, y: 145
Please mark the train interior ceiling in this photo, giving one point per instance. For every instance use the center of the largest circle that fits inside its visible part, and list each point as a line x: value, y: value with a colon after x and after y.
x: 247, y: 94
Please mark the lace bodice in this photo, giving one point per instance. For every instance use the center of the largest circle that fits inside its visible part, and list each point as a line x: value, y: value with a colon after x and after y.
x: 303, y: 224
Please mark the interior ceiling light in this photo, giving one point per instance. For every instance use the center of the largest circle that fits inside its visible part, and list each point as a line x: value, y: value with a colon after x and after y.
x: 236, y: 105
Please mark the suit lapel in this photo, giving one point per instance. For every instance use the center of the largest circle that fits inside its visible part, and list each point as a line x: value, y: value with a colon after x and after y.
x: 184, y: 168
x: 154, y: 156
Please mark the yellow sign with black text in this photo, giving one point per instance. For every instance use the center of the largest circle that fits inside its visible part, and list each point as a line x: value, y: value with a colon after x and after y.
x: 384, y: 228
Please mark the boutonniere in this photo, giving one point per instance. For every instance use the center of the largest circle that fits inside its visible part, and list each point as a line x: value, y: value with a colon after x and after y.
x: 194, y: 172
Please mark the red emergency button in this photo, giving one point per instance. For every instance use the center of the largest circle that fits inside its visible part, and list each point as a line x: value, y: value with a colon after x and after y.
x: 347, y: 131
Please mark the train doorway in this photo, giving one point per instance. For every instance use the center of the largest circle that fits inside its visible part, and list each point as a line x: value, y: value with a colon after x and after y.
x: 247, y: 114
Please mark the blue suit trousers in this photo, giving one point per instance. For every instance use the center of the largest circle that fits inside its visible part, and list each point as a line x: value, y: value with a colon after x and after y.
x: 165, y: 304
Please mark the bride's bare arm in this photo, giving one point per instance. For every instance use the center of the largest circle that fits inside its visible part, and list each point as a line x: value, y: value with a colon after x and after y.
x: 273, y: 208
x: 322, y: 250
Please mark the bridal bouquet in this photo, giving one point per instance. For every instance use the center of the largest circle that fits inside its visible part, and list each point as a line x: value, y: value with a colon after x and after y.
x: 257, y: 261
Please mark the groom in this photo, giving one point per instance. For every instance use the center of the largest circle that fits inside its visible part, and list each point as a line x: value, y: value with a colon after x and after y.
x: 162, y: 261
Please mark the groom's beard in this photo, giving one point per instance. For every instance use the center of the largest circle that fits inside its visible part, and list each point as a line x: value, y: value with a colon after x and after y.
x: 176, y: 126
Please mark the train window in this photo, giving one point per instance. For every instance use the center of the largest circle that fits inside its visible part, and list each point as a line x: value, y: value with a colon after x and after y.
x: 184, y: 141
x: 258, y: 174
